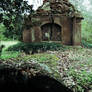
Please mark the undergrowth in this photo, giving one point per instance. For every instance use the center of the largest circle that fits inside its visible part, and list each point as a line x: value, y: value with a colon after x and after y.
x: 9, y: 54
x: 35, y: 46
x: 83, y: 79
x: 86, y: 44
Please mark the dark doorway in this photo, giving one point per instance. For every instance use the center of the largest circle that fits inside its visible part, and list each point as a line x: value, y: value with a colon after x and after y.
x: 51, y: 32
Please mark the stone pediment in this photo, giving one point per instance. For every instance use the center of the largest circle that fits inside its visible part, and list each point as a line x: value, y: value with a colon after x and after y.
x: 56, y: 7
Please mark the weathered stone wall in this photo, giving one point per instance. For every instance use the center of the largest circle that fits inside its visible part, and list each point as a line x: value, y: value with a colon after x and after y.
x: 35, y: 33
x: 32, y: 35
x: 76, y: 31
x: 70, y: 29
x: 27, y: 35
x: 64, y: 17
x: 66, y: 30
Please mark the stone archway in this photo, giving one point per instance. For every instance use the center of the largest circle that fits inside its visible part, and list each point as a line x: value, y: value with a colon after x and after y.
x: 51, y: 32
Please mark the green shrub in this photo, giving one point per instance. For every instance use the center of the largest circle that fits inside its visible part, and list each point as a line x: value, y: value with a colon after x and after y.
x: 86, y: 44
x: 87, y: 31
x: 35, y: 46
x: 2, y: 30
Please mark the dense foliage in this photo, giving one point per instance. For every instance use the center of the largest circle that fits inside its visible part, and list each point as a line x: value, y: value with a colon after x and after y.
x: 12, y: 14
x: 2, y: 30
x: 35, y: 46
x: 85, y: 6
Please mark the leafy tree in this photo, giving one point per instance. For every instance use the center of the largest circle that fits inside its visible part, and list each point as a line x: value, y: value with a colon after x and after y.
x: 85, y: 9
x: 12, y: 14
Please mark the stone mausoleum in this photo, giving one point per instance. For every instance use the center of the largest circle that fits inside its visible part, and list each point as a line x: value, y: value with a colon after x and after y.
x: 56, y: 21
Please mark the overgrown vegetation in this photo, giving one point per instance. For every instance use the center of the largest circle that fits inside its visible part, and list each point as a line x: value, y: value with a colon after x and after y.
x: 43, y: 46
x: 9, y: 54
x: 85, y: 6
x: 83, y: 80
x: 71, y: 62
x: 87, y: 33
x: 12, y: 13
x: 11, y: 50
x: 2, y: 30
x: 79, y: 70
x: 48, y: 59
x: 86, y: 44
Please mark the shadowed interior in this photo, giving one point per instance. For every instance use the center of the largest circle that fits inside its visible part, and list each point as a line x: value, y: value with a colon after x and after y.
x: 51, y: 32
x: 13, y: 80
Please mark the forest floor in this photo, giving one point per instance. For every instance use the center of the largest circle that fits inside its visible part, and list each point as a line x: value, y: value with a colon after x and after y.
x: 75, y: 67
x: 74, y: 64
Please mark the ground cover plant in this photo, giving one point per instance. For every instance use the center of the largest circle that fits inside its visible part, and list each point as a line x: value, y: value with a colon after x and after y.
x: 72, y: 65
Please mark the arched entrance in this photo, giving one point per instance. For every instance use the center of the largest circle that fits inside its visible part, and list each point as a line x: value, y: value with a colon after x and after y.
x: 51, y: 32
